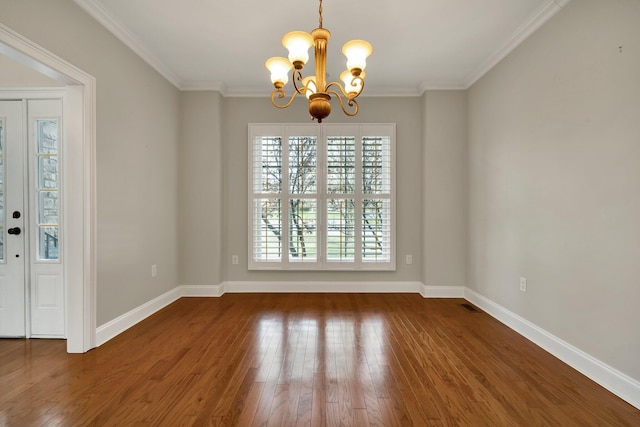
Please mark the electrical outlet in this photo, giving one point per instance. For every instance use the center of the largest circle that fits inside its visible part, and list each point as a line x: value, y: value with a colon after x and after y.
x: 409, y: 259
x: 234, y: 259
x: 523, y: 284
x: 154, y: 270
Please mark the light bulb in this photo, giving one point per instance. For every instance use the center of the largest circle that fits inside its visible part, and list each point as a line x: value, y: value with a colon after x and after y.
x: 279, y: 68
x: 310, y: 84
x: 352, y: 85
x: 357, y: 52
x: 298, y: 44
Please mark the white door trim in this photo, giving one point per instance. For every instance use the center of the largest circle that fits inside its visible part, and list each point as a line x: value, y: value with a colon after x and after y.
x: 79, y: 202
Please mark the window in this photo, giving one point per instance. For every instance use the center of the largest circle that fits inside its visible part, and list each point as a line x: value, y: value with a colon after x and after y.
x: 321, y: 197
x: 47, y: 188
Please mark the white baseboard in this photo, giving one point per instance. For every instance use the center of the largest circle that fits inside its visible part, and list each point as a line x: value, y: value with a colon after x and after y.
x: 442, y: 291
x: 322, y: 287
x: 120, y: 324
x: 202, y: 291
x: 613, y: 380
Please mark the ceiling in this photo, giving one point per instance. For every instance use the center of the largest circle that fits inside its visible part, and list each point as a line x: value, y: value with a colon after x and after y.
x: 418, y: 44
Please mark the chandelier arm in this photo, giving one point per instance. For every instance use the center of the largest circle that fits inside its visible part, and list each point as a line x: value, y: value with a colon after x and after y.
x: 343, y: 89
x: 361, y: 84
x: 280, y: 94
x: 351, y: 103
x: 297, y: 76
x: 334, y: 84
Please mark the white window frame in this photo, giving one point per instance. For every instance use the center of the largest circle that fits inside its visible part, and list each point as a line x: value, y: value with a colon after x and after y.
x: 35, y: 202
x: 322, y: 132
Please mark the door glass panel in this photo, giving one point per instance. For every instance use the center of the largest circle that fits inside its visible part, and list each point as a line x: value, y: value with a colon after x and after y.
x: 48, y: 208
x: 1, y: 190
x: 48, y: 171
x: 48, y: 237
x: 47, y: 136
x: 48, y: 186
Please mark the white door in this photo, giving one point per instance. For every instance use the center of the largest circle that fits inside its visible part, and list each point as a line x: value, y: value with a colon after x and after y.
x: 12, y: 233
x: 31, y: 274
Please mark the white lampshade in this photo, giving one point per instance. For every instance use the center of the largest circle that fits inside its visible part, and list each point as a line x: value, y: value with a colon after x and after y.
x: 357, y: 52
x: 311, y: 88
x: 298, y: 44
x: 279, y: 68
x: 351, y: 84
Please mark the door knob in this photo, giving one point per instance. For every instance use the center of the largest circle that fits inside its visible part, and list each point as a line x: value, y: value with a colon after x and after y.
x: 14, y: 230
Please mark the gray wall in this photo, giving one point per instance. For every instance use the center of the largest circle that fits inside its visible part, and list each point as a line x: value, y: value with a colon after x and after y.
x: 444, y: 182
x: 14, y: 74
x: 405, y: 112
x: 200, y: 189
x: 137, y: 146
x: 431, y: 185
x: 554, y: 175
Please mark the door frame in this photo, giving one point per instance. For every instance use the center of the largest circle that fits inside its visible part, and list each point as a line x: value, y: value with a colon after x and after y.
x: 79, y: 187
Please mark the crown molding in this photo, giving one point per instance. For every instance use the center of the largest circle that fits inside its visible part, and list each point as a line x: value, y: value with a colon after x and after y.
x: 205, y: 85
x: 428, y: 85
x: 389, y: 91
x: 378, y: 91
x: 537, y: 19
x: 265, y: 91
x: 97, y: 12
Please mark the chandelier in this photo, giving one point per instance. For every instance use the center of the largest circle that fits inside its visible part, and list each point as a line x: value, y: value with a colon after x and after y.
x: 315, y: 87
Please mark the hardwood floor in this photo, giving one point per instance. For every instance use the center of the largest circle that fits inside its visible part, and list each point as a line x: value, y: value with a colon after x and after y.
x: 303, y: 359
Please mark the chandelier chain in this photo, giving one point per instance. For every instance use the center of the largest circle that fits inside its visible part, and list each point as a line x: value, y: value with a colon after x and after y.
x: 320, y: 13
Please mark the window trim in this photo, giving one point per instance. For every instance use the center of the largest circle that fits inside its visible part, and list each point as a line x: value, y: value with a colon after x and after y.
x: 36, y: 190
x: 321, y: 132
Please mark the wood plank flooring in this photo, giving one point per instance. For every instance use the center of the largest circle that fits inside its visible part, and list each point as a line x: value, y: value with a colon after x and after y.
x: 304, y: 360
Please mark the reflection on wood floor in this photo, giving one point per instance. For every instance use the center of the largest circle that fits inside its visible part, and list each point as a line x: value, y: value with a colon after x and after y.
x: 303, y: 359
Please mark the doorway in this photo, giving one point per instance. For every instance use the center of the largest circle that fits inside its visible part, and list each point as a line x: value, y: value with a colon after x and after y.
x: 79, y: 170
x: 31, y: 269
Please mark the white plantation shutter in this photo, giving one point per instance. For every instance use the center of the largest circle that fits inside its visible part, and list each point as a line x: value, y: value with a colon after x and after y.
x: 341, y: 164
x: 266, y: 183
x: 340, y: 188
x: 322, y: 197
x: 302, y: 201
x: 376, y: 204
